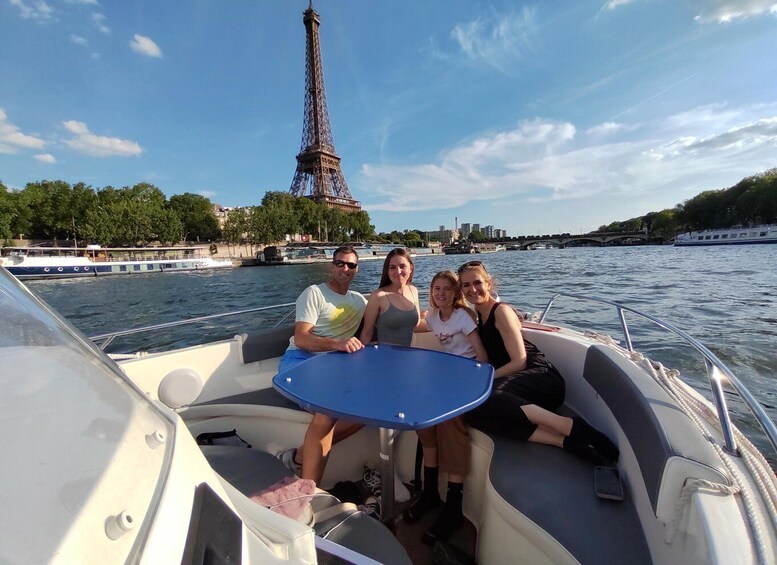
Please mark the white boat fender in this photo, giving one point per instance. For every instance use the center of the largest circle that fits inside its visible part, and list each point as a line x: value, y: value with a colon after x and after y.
x: 180, y: 387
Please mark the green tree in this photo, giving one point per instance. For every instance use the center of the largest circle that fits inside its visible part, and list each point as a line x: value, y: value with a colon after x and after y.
x: 757, y: 199
x: 236, y: 226
x: 308, y: 215
x: 260, y: 229
x: 336, y: 224
x: 361, y: 228
x: 664, y: 224
x: 705, y: 210
x: 412, y: 239
x: 281, y: 207
x: 196, y: 215
x: 169, y: 228
x: 7, y: 208
x: 37, y: 217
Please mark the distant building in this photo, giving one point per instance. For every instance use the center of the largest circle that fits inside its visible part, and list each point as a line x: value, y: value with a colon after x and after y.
x: 223, y: 212
x: 465, y: 230
x: 488, y: 231
x: 443, y: 236
x: 475, y: 227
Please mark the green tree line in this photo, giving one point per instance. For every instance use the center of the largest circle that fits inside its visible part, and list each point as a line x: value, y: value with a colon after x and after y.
x: 141, y: 214
x: 280, y: 214
x: 751, y: 201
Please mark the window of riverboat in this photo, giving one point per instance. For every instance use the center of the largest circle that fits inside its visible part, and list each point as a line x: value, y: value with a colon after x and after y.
x: 715, y: 236
x: 762, y: 234
x: 724, y: 236
x: 743, y: 234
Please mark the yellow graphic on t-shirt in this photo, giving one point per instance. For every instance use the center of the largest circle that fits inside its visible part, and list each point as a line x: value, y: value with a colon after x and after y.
x: 345, y: 318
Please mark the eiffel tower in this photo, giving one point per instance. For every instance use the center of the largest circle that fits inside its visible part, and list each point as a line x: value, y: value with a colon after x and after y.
x: 318, y: 175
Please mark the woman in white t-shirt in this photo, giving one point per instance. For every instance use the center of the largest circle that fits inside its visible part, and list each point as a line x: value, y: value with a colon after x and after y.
x: 446, y: 445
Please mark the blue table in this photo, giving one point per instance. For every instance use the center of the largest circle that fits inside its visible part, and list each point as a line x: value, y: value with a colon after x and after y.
x: 390, y: 387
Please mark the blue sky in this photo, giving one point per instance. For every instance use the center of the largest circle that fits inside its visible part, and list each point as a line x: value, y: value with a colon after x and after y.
x: 535, y: 117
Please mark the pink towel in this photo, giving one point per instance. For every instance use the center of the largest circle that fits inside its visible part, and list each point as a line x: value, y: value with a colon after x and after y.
x: 289, y: 497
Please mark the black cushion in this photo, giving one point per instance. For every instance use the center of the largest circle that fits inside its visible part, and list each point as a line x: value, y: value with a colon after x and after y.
x: 555, y: 490
x: 263, y: 397
x: 631, y: 404
x: 267, y: 345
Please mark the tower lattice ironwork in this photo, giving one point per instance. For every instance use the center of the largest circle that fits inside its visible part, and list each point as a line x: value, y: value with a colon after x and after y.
x: 318, y: 174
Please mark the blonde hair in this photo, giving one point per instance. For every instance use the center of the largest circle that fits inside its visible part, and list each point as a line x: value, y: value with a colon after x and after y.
x: 458, y: 296
x: 479, y: 268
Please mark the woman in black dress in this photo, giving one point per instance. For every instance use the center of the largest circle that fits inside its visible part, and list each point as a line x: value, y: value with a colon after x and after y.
x: 527, y: 388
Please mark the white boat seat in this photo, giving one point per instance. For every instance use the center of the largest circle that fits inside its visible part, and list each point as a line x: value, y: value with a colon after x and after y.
x: 251, y: 470
x: 555, y: 490
x: 664, y: 438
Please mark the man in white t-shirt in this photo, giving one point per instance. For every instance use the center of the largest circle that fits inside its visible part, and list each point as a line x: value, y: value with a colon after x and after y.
x: 327, y: 318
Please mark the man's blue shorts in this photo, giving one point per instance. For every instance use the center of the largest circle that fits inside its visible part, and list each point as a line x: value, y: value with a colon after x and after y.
x: 293, y: 357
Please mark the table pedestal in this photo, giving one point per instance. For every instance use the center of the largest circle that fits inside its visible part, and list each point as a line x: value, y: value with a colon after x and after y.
x: 387, y: 437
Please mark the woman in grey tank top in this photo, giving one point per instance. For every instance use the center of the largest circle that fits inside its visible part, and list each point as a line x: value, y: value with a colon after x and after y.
x: 393, y: 310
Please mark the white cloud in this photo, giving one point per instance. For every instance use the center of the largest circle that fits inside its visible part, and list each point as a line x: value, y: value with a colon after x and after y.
x: 724, y: 11
x: 98, y: 20
x: 207, y: 193
x: 83, y: 2
x: 612, y: 4
x: 78, y: 40
x: 37, y: 10
x: 145, y: 46
x: 607, y: 128
x: 45, y: 158
x: 83, y: 141
x: 746, y: 136
x: 498, y: 40
x: 11, y: 139
x: 542, y: 161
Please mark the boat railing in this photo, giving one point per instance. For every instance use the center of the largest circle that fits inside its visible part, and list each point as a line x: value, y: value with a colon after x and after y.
x: 103, y: 340
x: 717, y: 371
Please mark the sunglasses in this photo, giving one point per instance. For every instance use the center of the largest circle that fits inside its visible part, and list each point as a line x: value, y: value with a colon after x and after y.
x: 340, y: 264
x: 469, y: 264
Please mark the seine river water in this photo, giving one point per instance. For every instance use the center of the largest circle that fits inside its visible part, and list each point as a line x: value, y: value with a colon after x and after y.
x: 723, y: 296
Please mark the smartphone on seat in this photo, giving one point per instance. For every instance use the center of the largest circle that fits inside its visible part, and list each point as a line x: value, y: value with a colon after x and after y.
x: 607, y: 483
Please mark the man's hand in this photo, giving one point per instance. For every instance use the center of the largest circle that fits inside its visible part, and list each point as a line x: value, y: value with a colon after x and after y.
x: 350, y: 345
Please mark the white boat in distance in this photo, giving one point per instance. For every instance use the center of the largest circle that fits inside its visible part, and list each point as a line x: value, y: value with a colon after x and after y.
x: 729, y: 236
x: 107, y: 466
x: 93, y: 260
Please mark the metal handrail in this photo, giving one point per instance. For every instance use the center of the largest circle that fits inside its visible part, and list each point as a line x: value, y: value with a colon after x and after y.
x: 716, y: 371
x: 106, y: 339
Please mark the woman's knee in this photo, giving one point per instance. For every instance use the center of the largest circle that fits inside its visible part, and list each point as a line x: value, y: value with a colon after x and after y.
x: 321, y: 425
x: 428, y: 437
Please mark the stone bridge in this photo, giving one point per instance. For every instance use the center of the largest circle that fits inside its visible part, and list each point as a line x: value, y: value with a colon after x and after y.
x: 567, y: 240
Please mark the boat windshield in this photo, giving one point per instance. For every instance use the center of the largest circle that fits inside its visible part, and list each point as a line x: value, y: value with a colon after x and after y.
x: 75, y: 441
